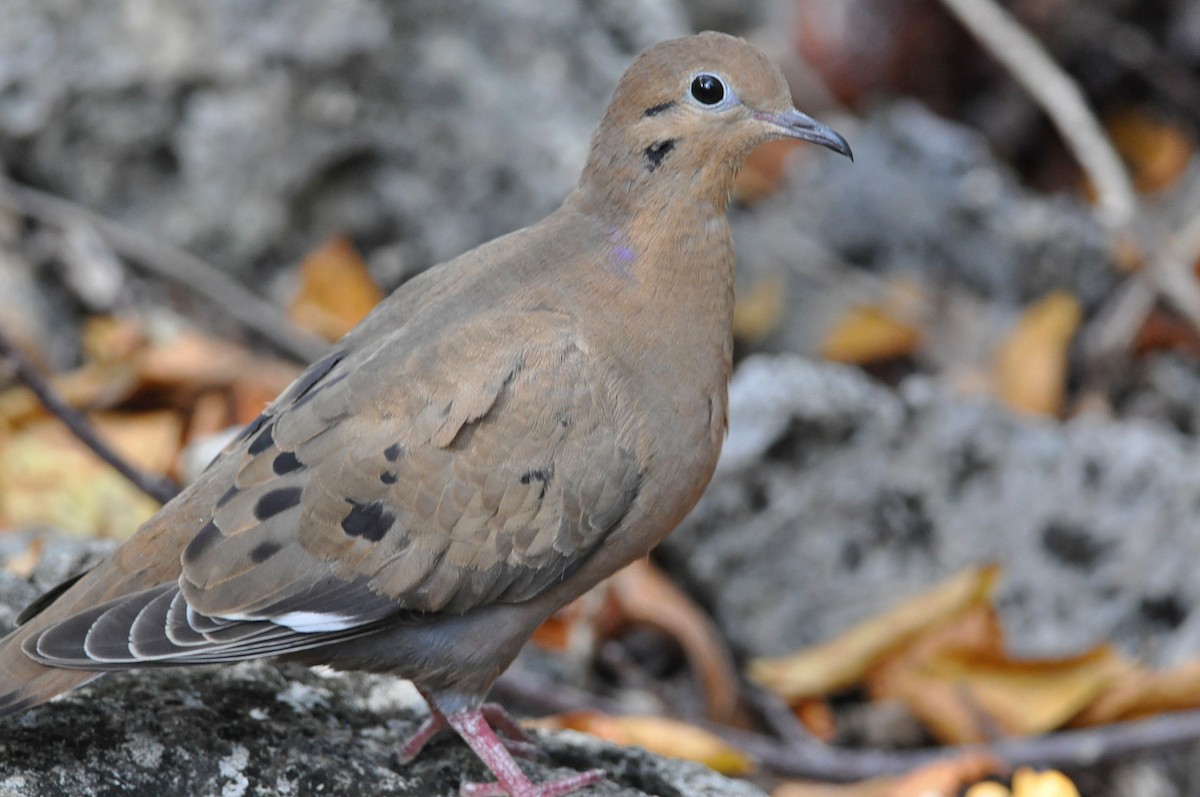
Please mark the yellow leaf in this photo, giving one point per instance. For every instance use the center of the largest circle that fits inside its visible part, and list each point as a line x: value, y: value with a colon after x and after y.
x: 658, y: 735
x: 1027, y: 783
x: 843, y: 661
x: 336, y: 291
x: 1028, y: 697
x: 988, y: 788
x: 758, y: 309
x: 1031, y: 364
x: 48, y: 477
x: 868, y: 334
x: 1157, y: 151
x: 1140, y: 693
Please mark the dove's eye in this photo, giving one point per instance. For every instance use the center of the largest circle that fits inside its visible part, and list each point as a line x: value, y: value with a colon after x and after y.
x: 708, y: 89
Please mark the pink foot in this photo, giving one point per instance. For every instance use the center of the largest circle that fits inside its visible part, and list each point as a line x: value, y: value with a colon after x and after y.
x: 518, y: 741
x: 473, y: 727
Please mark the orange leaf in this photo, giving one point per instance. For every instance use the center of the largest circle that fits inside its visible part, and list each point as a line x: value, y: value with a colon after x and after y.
x: 843, y: 661
x: 657, y: 734
x: 646, y: 596
x: 1031, y: 364
x: 48, y: 477
x: 1157, y: 151
x: 336, y: 291
x: 758, y: 309
x: 958, y: 679
x: 868, y: 334
x: 763, y: 173
x: 937, y: 779
x: 1028, y: 783
x: 1140, y: 693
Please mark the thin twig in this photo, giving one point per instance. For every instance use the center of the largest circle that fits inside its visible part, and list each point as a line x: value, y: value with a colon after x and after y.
x: 170, y: 263
x: 803, y: 756
x: 1060, y: 98
x: 158, y: 488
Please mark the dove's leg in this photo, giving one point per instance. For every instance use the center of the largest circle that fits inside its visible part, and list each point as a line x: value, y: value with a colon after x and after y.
x: 473, y: 727
x: 518, y: 742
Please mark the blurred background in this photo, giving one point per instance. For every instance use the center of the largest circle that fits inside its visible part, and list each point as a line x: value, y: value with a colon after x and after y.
x: 969, y: 359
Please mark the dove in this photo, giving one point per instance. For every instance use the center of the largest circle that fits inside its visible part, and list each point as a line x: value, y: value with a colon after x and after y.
x: 500, y: 434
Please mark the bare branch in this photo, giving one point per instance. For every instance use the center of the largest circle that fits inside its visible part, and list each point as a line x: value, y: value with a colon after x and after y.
x: 172, y: 264
x: 160, y: 489
x: 1060, y: 98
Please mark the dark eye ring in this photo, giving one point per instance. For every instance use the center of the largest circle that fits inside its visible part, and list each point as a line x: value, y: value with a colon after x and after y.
x: 708, y: 89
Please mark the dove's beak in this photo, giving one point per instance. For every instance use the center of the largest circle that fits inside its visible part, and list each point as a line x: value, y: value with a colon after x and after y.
x: 794, y: 124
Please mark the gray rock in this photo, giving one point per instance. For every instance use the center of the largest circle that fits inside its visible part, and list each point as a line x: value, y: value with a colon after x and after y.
x: 861, y: 496
x: 249, y: 131
x: 255, y: 729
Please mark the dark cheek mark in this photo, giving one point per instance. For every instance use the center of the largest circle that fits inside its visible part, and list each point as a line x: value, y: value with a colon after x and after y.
x: 203, y: 540
x: 388, y: 477
x: 264, y: 551
x: 264, y: 441
x: 657, y: 109
x: 286, y: 463
x: 657, y: 151
x: 369, y: 521
x: 393, y: 452
x: 276, y: 501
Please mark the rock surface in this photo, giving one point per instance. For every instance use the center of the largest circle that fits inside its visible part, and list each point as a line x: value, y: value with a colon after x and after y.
x: 837, y: 497
x: 255, y: 729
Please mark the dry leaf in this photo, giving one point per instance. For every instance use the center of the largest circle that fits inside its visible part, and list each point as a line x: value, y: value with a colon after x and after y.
x: 1021, y: 698
x: 657, y: 734
x: 868, y: 334
x: 24, y: 563
x: 759, y: 308
x: 988, y: 788
x: 763, y: 172
x: 640, y: 594
x: 875, y: 787
x: 336, y: 290
x: 1028, y: 783
x: 48, y: 477
x: 938, y: 779
x: 1140, y: 693
x: 644, y: 595
x: 843, y: 661
x: 946, y: 778
x: 94, y: 386
x: 817, y: 718
x: 1031, y: 364
x: 958, y: 679
x: 1156, y: 151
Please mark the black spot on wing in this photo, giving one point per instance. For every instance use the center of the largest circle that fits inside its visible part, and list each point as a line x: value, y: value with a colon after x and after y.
x: 657, y: 109
x: 227, y: 496
x: 388, y: 477
x: 286, y: 463
x: 264, y: 551
x: 542, y: 475
x: 315, y: 373
x: 252, y: 427
x: 276, y: 501
x: 203, y: 540
x: 393, y: 452
x: 264, y: 441
x: 369, y: 521
x: 657, y: 151
x: 46, y: 598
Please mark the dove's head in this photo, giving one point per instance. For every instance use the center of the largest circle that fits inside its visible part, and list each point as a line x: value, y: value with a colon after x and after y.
x: 686, y: 114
